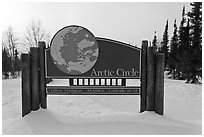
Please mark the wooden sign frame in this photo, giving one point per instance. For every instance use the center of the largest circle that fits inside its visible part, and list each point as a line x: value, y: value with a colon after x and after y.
x: 151, y: 75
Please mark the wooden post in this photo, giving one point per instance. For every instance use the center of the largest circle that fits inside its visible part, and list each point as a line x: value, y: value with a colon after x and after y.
x: 42, y: 82
x: 26, y: 94
x: 151, y: 51
x: 143, y: 76
x: 34, y: 78
x: 71, y: 82
x: 123, y: 82
x: 159, y: 92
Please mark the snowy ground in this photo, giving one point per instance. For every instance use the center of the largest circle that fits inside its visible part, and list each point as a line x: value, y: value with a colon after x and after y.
x: 106, y: 115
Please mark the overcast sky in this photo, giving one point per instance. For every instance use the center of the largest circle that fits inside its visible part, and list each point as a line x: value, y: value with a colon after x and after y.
x: 127, y: 22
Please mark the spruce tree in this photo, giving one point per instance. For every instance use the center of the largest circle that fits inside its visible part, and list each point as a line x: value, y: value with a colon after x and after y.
x: 164, y: 44
x: 182, y: 32
x: 182, y: 46
x: 16, y: 61
x: 5, y: 63
x: 173, y: 54
x: 186, y: 53
x: 196, y: 36
x: 154, y: 41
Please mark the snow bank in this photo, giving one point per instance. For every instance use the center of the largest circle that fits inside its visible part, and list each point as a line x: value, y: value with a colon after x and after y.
x: 117, y: 115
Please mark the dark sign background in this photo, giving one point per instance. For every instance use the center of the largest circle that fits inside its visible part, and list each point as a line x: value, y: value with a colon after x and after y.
x: 113, y: 55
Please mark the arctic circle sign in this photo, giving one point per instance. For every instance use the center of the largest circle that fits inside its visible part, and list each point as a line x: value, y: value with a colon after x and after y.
x: 78, y: 63
x: 74, y: 50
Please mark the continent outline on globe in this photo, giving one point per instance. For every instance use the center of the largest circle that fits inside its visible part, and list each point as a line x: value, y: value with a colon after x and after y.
x: 74, y: 50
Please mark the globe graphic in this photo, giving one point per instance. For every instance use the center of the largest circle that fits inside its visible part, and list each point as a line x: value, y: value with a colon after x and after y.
x: 74, y: 50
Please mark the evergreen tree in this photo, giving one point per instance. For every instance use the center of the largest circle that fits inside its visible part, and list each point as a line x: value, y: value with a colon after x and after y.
x: 16, y: 61
x: 182, y: 36
x: 186, y: 53
x: 154, y: 41
x: 5, y: 63
x: 196, y: 36
x: 173, y: 54
x: 164, y: 44
x: 182, y: 46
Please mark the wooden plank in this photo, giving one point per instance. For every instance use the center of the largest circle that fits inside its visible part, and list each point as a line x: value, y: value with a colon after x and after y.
x: 26, y: 94
x: 151, y: 51
x: 143, y: 76
x: 159, y: 92
x: 34, y: 78
x: 42, y: 82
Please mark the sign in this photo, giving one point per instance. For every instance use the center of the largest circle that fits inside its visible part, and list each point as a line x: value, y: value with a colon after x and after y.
x: 105, y: 64
x: 92, y: 91
x: 87, y: 65
x: 75, y: 52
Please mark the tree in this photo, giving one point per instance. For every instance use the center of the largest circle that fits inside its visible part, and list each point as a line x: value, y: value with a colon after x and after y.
x: 182, y: 32
x: 17, y: 63
x: 185, y: 52
x: 195, y: 16
x: 154, y: 41
x: 181, y: 44
x: 35, y: 33
x: 164, y: 44
x: 5, y: 62
x: 11, y: 42
x: 173, y: 54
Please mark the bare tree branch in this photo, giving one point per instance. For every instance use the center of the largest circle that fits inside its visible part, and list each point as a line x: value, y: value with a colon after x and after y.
x: 35, y: 33
x: 10, y: 41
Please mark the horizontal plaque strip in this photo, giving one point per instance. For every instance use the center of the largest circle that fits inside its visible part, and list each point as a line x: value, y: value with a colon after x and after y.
x: 92, y: 91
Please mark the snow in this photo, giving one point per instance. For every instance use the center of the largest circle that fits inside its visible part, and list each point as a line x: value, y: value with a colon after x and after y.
x: 103, y: 114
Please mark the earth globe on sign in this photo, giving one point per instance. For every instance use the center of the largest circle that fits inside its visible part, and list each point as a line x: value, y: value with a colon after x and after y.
x: 74, y: 50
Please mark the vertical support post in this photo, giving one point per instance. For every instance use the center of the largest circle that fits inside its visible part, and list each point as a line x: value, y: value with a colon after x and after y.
x: 123, y: 82
x: 26, y: 94
x: 43, y: 95
x: 143, y: 76
x: 151, y: 51
x: 34, y: 78
x: 71, y: 83
x: 159, y: 92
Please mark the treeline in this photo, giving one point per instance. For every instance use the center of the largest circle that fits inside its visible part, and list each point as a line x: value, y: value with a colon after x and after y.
x: 183, y: 52
x: 10, y: 63
x: 12, y: 44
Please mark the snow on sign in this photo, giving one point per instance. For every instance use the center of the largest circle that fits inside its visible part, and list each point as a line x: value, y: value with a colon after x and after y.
x: 77, y: 63
x: 91, y: 65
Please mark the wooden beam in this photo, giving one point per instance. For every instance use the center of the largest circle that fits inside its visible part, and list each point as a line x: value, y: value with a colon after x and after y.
x: 143, y: 95
x: 34, y: 78
x: 26, y: 94
x: 159, y: 92
x: 151, y: 51
x: 42, y: 82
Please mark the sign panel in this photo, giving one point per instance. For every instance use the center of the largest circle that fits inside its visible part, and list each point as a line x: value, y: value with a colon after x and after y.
x: 75, y: 52
x: 93, y: 65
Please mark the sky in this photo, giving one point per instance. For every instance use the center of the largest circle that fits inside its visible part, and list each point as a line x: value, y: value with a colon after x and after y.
x: 129, y: 22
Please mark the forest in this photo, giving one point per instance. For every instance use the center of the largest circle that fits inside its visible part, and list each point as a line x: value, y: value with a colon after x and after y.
x: 183, y: 51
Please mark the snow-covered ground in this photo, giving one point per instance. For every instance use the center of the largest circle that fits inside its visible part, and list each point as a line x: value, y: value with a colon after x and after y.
x: 106, y: 115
